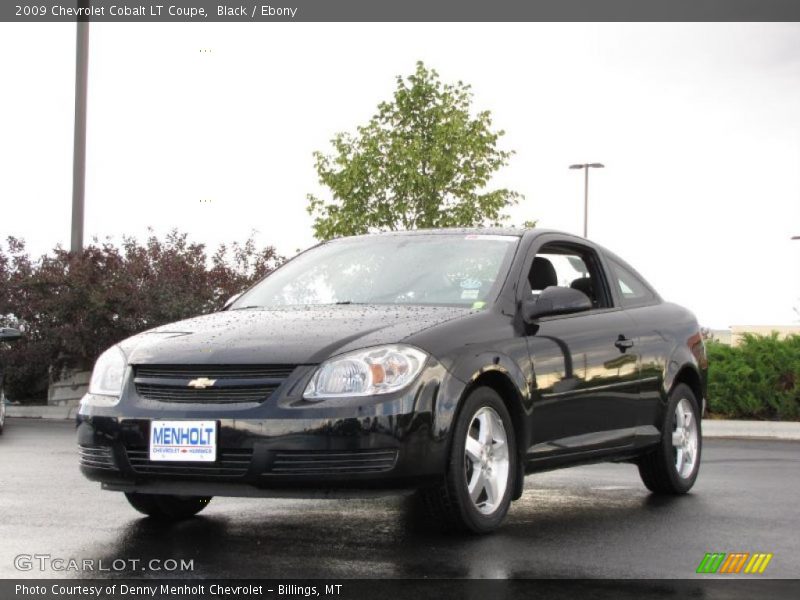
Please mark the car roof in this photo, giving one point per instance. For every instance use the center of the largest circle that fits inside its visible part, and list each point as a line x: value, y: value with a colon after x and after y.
x: 449, y: 231
x: 507, y: 231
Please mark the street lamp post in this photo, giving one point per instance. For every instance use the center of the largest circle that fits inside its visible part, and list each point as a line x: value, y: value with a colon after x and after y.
x: 586, y: 167
x: 79, y: 136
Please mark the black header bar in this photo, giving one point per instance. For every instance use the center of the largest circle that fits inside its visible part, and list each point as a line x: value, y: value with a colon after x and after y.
x: 200, y: 11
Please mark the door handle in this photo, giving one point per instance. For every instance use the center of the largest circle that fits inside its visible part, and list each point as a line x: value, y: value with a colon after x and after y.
x: 623, y: 343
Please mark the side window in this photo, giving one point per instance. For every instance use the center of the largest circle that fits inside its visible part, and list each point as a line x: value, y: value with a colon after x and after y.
x: 568, y: 266
x: 632, y: 290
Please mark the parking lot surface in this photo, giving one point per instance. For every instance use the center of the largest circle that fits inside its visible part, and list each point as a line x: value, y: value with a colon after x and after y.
x: 594, y: 521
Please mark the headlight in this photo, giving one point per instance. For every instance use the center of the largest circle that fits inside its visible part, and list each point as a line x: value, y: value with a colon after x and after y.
x: 108, y: 373
x: 378, y: 370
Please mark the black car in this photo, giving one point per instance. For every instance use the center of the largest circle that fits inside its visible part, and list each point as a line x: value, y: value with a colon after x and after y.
x: 452, y: 362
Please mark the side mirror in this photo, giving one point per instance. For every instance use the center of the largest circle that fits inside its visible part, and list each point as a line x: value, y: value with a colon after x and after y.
x: 8, y: 334
x: 555, y: 300
x: 231, y: 300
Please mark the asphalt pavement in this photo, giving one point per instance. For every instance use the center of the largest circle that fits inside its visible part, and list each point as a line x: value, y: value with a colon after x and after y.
x: 596, y: 521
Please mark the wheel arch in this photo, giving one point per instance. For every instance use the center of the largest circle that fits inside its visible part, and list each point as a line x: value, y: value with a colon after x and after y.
x: 687, y: 362
x: 689, y: 375
x: 500, y: 380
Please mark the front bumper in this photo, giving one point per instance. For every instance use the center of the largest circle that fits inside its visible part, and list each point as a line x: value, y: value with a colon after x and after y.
x: 282, y: 447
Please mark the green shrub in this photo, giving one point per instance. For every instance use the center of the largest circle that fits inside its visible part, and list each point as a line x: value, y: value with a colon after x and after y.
x: 759, y: 379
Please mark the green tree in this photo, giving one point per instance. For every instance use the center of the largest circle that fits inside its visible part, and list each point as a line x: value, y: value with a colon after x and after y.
x: 422, y: 161
x: 72, y: 306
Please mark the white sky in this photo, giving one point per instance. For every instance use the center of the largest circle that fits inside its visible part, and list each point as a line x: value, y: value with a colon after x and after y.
x: 698, y: 126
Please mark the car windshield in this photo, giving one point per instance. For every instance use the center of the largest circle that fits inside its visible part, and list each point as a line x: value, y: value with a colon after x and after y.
x: 441, y: 269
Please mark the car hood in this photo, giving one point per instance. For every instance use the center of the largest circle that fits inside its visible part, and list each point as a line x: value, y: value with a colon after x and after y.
x: 302, y: 335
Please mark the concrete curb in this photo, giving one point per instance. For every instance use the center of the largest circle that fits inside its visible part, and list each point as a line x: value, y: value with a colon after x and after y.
x: 42, y: 412
x: 776, y: 430
x: 712, y: 428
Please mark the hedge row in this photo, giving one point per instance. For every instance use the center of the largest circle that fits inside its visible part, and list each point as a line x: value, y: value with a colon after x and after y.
x: 758, y: 379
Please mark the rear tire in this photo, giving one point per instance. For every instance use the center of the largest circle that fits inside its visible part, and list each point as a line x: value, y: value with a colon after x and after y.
x: 168, y: 508
x: 475, y: 492
x: 673, y: 466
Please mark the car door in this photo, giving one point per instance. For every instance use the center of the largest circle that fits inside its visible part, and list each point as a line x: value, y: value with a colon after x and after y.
x: 586, y: 366
x: 654, y: 341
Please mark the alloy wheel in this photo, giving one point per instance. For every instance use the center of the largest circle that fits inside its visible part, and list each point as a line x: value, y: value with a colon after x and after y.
x: 684, y: 439
x: 486, y: 460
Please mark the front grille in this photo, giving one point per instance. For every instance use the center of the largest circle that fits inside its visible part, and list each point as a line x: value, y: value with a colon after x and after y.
x: 225, y: 383
x: 215, y: 371
x: 166, y: 393
x: 97, y: 457
x: 338, y: 462
x: 229, y: 463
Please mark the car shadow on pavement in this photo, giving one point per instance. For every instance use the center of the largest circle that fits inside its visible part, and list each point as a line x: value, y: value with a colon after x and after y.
x: 379, y: 538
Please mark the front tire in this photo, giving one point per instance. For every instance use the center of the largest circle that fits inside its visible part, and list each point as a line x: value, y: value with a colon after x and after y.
x: 672, y: 468
x: 167, y: 508
x: 475, y: 493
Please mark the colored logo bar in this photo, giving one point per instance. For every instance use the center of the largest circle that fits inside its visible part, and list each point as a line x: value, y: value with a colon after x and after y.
x: 734, y: 563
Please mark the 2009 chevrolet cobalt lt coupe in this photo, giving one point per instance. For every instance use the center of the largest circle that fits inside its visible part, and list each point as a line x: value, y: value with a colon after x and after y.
x: 453, y: 362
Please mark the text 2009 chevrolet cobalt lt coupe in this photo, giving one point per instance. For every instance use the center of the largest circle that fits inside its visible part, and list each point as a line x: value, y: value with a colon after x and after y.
x: 453, y: 362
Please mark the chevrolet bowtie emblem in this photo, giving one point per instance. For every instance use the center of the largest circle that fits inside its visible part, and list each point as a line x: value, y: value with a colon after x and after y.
x: 201, y: 383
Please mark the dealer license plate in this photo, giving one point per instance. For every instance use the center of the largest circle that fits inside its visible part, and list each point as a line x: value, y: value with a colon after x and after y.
x: 184, y: 441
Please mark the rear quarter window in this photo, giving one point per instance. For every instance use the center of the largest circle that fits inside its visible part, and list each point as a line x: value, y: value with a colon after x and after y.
x: 632, y: 290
